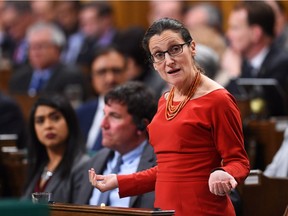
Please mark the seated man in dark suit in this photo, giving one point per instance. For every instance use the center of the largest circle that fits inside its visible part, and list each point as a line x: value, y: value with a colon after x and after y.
x: 127, y: 111
x: 253, y: 53
x: 45, y: 72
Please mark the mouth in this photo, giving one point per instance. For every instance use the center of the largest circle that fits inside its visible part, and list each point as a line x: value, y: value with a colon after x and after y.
x: 173, y: 71
x: 50, y: 136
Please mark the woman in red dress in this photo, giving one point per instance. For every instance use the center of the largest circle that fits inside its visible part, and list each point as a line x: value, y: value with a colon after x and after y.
x: 196, y: 134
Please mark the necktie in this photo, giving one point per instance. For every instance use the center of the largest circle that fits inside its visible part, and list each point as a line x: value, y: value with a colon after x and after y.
x: 104, y: 197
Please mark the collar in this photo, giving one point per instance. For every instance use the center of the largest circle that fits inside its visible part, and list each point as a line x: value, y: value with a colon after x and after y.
x: 43, y: 73
x: 107, y: 37
x: 132, y: 155
x: 257, y: 61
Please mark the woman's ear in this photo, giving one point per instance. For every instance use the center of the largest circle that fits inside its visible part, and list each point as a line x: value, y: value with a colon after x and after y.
x: 256, y: 33
x: 155, y: 67
x: 193, y: 47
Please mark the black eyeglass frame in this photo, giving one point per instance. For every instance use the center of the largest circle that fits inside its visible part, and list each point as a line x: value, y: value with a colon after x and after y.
x: 168, y: 51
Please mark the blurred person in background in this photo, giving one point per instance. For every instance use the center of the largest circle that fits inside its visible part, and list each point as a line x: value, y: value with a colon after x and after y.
x: 45, y: 71
x: 44, y: 11
x: 203, y: 14
x: 16, y: 17
x: 55, y: 149
x: 279, y: 165
x: 281, y: 26
x: 67, y: 17
x: 138, y: 68
x: 204, y: 21
x: 162, y: 9
x: 97, y: 25
x: 107, y: 71
x: 252, y: 53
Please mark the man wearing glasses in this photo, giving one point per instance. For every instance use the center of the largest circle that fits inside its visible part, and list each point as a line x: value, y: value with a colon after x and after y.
x: 107, y: 71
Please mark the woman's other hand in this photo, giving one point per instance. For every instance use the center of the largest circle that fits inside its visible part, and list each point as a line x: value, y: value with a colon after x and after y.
x: 103, y: 182
x: 221, y: 183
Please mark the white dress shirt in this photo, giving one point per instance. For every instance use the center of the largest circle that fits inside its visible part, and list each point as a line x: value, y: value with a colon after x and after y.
x: 130, y: 164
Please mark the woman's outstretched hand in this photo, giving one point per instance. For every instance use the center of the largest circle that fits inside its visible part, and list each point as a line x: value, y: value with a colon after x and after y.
x: 221, y: 183
x: 103, y: 182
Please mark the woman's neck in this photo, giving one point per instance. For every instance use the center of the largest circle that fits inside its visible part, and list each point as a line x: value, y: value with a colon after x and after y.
x: 181, y: 92
x: 55, y: 157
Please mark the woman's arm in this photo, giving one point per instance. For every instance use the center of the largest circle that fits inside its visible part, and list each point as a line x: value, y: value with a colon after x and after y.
x: 137, y: 183
x: 129, y: 185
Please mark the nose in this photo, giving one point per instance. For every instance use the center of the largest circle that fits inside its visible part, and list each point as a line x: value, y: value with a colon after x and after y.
x: 169, y: 60
x: 48, y: 123
x: 104, y: 123
x: 110, y: 77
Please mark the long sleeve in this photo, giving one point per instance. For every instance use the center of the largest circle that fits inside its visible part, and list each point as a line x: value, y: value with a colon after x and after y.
x: 228, y: 137
x: 137, y: 183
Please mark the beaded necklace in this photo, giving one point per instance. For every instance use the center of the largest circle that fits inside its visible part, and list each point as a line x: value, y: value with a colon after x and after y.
x: 172, y: 110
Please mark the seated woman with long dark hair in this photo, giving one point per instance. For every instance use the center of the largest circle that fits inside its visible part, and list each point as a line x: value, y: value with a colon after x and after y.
x: 55, y: 149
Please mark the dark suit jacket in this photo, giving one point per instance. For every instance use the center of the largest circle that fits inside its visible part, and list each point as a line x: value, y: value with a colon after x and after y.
x: 90, y: 45
x: 275, y: 66
x: 63, y: 77
x: 12, y: 120
x: 85, y: 114
x: 63, y: 190
x: 99, y: 161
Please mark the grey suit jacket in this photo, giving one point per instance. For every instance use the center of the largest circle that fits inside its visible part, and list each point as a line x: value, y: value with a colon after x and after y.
x: 99, y: 161
x: 63, y: 190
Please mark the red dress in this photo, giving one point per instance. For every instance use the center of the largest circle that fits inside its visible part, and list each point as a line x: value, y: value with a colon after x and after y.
x: 206, y: 134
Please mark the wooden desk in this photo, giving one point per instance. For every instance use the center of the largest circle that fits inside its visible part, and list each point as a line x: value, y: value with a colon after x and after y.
x: 264, y: 196
x: 5, y: 75
x: 25, y: 102
x: 268, y: 139
x: 61, y: 209
x: 13, y: 166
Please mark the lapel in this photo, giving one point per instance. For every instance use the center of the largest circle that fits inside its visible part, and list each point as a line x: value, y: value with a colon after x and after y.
x: 98, y: 162
x: 147, y: 161
x: 54, y: 182
x: 31, y: 186
x: 26, y: 79
x: 55, y: 73
x: 269, y: 59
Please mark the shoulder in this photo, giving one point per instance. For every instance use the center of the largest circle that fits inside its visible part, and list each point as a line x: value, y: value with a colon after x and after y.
x: 80, y: 161
x: 66, y: 70
x: 100, y: 155
x: 222, y: 98
x: 277, y: 55
x: 22, y: 71
x: 8, y: 103
x: 90, y: 105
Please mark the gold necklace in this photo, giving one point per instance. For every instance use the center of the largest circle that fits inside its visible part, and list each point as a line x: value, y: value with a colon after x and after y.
x: 171, y: 111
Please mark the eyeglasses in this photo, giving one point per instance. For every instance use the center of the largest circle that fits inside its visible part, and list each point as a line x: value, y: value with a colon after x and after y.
x: 103, y: 71
x: 172, y: 51
x: 40, y: 46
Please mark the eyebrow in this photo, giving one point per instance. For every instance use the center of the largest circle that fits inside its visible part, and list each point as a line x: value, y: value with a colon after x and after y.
x: 171, y: 43
x: 49, y: 114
